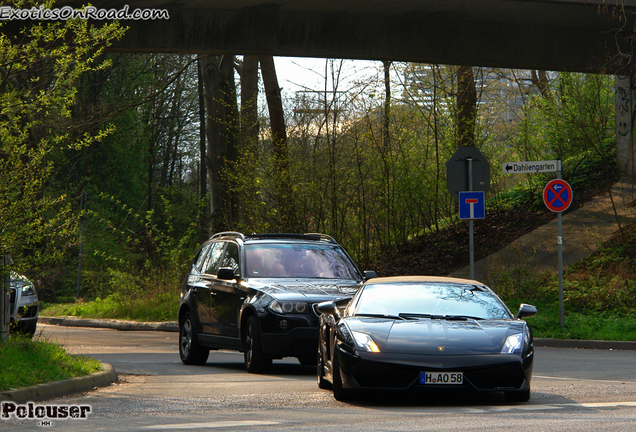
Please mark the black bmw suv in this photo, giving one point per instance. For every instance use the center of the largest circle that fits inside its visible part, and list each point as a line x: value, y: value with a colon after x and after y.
x: 258, y: 294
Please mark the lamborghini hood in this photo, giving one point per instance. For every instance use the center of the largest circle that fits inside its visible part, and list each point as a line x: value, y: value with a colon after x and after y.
x: 437, y: 336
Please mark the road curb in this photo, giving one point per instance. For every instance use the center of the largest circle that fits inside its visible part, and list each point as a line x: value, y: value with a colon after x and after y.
x: 57, y: 389
x: 584, y: 344
x: 169, y: 326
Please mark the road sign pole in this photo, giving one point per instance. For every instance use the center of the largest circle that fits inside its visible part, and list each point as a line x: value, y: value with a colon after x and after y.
x: 560, y: 252
x: 5, y: 298
x: 558, y: 196
x: 471, y: 237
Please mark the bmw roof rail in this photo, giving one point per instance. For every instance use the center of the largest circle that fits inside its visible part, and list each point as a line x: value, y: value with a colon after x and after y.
x: 228, y: 233
x: 323, y: 237
x: 313, y: 236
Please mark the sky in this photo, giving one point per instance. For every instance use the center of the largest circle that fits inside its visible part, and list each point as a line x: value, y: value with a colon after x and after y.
x: 298, y: 73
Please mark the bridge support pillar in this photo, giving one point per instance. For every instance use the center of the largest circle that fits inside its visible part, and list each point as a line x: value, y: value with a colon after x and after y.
x: 625, y: 102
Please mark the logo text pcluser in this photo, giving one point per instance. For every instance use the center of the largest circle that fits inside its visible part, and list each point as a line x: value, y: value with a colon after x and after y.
x: 43, y: 412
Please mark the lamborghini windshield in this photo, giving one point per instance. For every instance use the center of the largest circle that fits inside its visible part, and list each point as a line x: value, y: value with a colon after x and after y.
x: 429, y: 300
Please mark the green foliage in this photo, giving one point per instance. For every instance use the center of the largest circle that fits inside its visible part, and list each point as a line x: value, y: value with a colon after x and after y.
x: 130, y: 253
x: 39, y: 68
x: 25, y: 363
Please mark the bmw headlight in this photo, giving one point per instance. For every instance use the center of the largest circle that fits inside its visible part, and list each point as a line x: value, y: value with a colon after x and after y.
x: 513, y: 344
x: 284, y: 307
x: 365, y: 342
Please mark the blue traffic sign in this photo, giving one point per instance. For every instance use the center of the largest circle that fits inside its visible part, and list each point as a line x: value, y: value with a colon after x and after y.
x: 557, y: 195
x: 472, y: 205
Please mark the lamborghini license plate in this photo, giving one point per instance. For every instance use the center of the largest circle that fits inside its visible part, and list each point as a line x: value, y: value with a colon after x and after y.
x: 441, y: 378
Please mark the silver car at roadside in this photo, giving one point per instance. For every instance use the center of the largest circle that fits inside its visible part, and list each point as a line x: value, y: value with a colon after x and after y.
x: 24, y: 305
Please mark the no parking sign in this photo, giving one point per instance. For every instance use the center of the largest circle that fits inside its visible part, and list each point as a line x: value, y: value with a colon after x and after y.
x: 557, y: 195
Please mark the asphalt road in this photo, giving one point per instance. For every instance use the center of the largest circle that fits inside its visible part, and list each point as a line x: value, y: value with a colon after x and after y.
x: 573, y: 389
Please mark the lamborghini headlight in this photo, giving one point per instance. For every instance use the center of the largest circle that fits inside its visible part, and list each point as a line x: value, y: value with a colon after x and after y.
x: 365, y: 342
x: 513, y: 344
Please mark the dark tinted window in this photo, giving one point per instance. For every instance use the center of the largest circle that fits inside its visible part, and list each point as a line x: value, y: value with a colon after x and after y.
x: 231, y: 258
x: 211, y: 263
x: 429, y: 298
x: 298, y: 261
x: 203, y: 253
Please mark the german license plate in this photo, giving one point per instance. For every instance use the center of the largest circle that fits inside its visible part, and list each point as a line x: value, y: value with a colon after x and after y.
x: 441, y: 378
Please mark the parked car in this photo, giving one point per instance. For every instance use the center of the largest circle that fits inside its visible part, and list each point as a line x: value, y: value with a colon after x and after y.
x: 23, y: 305
x: 257, y: 294
x: 423, y: 333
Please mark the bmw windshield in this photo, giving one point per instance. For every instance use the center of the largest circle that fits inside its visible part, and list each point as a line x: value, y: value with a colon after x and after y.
x: 280, y: 260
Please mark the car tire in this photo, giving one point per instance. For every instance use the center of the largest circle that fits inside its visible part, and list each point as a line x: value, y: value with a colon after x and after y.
x: 517, y: 396
x: 190, y: 351
x: 255, y: 359
x: 339, y: 392
x: 322, y: 382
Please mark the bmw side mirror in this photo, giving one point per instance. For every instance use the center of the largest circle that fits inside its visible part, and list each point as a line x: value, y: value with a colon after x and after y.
x: 370, y: 274
x: 225, y: 273
x: 526, y: 311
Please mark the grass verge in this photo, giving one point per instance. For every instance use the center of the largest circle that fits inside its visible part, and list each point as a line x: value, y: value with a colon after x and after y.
x: 599, y: 295
x: 606, y: 325
x: 153, y: 308
x: 25, y: 363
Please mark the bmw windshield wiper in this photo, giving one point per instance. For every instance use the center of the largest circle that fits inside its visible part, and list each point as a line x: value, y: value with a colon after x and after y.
x: 381, y: 316
x: 418, y: 315
x: 445, y: 317
x: 462, y: 317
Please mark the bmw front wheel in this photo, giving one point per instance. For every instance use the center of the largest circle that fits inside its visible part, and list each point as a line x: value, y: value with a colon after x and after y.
x: 255, y: 359
x: 190, y: 351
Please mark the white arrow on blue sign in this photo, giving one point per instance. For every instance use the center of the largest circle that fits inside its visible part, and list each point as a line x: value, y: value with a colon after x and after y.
x: 472, y: 205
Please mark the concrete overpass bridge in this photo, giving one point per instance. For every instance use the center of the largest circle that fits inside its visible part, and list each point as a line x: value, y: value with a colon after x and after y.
x: 574, y: 35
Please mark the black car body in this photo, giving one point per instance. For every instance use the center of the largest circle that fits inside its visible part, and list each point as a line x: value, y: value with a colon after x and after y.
x: 418, y: 332
x: 257, y: 294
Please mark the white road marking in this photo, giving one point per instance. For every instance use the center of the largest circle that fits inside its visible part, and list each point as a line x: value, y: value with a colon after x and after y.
x: 583, y: 379
x: 542, y: 407
x: 211, y: 425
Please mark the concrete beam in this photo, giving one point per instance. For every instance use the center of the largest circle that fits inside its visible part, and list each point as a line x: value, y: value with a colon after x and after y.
x: 573, y: 35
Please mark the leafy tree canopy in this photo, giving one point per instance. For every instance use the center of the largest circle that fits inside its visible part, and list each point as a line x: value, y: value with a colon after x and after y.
x: 39, y: 67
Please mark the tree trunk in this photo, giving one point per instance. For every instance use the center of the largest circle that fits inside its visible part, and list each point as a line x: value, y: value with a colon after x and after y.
x: 279, y: 143
x: 203, y: 163
x: 218, y: 83
x: 249, y: 137
x: 466, y: 106
x: 540, y: 79
x: 386, y: 144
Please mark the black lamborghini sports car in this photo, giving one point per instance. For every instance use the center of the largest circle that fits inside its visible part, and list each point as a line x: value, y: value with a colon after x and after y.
x: 419, y: 332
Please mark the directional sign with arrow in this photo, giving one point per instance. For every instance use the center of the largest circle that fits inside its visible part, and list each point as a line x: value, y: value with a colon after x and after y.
x: 530, y: 167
